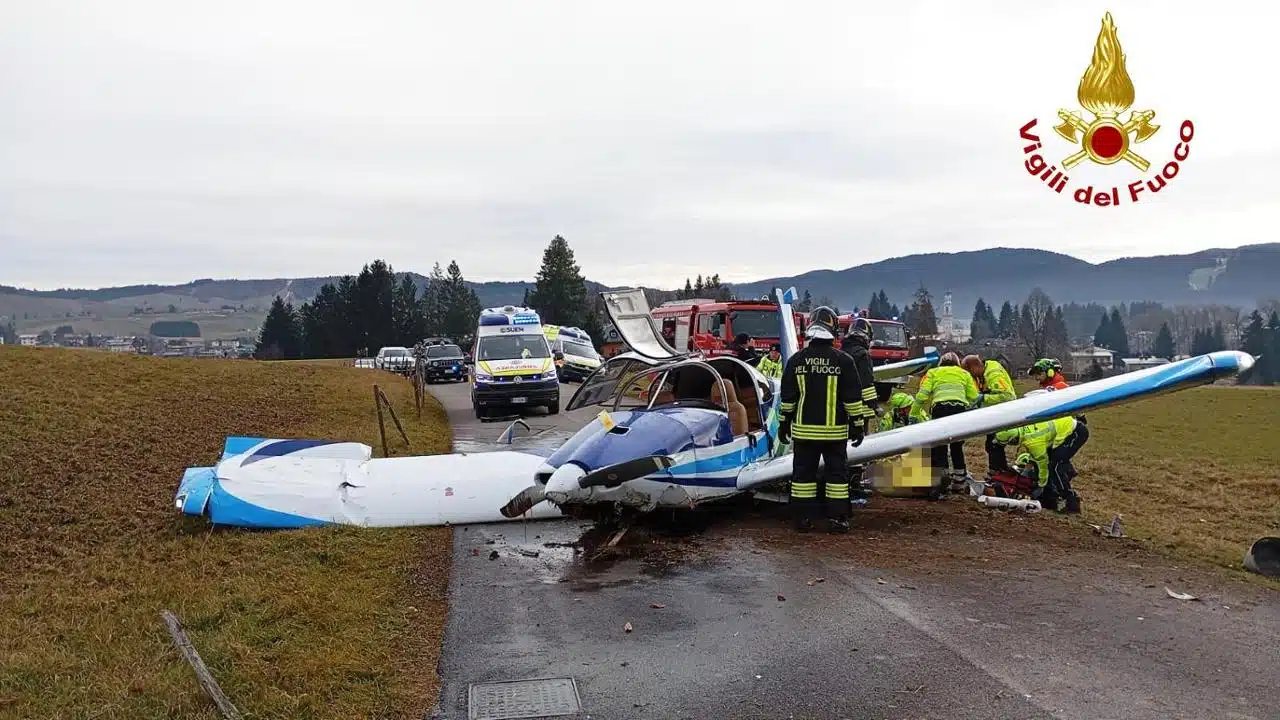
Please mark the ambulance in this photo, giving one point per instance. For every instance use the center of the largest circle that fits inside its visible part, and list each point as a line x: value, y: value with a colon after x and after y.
x: 574, y: 352
x: 514, y: 367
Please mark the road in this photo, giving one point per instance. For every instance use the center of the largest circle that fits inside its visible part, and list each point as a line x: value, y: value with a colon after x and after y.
x: 926, y: 610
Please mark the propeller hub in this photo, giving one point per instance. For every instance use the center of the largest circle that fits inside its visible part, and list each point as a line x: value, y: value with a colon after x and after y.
x: 562, y: 486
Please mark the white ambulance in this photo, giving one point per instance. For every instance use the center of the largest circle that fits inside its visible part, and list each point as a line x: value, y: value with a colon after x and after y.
x: 514, y: 366
x: 574, y: 352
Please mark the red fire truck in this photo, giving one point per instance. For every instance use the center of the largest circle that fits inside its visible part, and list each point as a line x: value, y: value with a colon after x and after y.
x: 709, y: 326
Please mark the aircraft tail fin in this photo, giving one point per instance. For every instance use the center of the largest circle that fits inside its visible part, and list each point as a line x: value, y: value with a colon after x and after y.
x: 787, y: 335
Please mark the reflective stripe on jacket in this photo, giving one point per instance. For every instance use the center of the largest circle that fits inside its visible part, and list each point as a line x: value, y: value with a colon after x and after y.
x: 999, y: 386
x: 948, y: 384
x: 1037, y: 439
x: 771, y: 368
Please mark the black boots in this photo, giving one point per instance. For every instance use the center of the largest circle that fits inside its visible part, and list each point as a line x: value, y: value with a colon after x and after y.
x: 1073, y: 504
x: 838, y: 525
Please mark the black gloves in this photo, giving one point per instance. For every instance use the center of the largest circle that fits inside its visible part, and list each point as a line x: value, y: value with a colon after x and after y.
x: 784, y: 432
x: 856, y: 432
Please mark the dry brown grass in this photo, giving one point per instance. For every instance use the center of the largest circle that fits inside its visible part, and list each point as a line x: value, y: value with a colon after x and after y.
x: 326, y: 623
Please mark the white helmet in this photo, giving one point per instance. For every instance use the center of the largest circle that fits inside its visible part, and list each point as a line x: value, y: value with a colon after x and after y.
x: 822, y: 324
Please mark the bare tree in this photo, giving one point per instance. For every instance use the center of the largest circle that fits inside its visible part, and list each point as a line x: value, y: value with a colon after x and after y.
x: 1035, y: 322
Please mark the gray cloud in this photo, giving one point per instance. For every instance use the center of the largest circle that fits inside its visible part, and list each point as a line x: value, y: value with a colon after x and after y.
x: 158, y: 142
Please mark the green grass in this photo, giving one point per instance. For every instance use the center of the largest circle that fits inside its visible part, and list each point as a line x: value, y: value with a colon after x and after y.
x: 1194, y: 473
x: 323, y: 623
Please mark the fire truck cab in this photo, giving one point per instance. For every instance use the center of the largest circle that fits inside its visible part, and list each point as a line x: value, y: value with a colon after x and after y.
x: 709, y: 326
x: 890, y: 343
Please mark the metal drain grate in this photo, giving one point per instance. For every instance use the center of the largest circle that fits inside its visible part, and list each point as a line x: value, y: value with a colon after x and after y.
x: 548, y: 697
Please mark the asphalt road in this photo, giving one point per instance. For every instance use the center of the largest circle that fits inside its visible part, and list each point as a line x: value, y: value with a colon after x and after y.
x: 754, y: 627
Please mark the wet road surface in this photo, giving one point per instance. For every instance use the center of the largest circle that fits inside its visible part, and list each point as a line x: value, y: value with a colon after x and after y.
x: 758, y: 628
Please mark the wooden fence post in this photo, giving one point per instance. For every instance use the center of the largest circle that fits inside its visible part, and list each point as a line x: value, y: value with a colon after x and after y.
x: 394, y: 419
x: 382, y: 428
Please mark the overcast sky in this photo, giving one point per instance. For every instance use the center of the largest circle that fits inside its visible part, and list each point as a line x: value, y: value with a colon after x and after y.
x: 162, y: 141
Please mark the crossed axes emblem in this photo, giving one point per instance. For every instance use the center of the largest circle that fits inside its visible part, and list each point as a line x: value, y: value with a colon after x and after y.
x: 1139, y: 124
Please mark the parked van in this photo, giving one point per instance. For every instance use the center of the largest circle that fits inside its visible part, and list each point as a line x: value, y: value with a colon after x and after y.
x: 574, y: 352
x: 514, y: 367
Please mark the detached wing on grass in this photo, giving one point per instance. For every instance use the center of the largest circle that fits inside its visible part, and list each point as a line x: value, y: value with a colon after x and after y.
x: 272, y: 483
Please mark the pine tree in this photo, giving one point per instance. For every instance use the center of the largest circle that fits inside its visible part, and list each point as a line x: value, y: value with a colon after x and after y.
x: 697, y: 287
x: 1007, y: 325
x: 560, y: 293
x: 806, y: 302
x: 1219, y: 339
x: 524, y: 302
x: 279, y: 337
x: 1163, y: 347
x: 461, y: 306
x: 375, y: 306
x: 435, y: 302
x: 1102, y: 337
x: 1057, y: 332
x: 1119, y: 336
x: 1255, y: 340
x: 687, y: 293
x: 923, y: 319
x: 409, y: 321
x: 979, y: 327
x: 894, y: 312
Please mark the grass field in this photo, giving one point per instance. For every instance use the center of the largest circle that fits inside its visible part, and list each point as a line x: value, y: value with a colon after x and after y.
x: 1194, y: 473
x: 331, y: 623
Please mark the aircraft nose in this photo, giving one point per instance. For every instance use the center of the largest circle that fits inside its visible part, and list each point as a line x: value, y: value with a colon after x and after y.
x: 1246, y: 361
x: 563, y: 486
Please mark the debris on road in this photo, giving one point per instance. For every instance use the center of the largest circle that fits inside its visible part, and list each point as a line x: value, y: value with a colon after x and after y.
x: 1113, y: 530
x: 493, y: 555
x: 475, y: 551
x: 529, y: 553
x: 1180, y: 596
x: 656, y: 605
x: 1263, y: 557
x: 781, y: 598
x: 627, y: 628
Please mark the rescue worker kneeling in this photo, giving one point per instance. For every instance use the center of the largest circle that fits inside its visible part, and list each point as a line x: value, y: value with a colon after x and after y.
x: 1051, y: 445
x: 821, y: 401
x: 899, y: 412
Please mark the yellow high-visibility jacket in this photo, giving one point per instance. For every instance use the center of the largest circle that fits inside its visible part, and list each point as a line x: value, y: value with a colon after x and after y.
x: 944, y: 384
x: 1037, y: 439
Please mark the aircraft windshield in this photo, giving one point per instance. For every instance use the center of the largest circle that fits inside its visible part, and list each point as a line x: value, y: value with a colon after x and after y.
x: 756, y: 323
x: 510, y: 347
x: 444, y: 351
x: 572, y: 347
x: 888, y: 334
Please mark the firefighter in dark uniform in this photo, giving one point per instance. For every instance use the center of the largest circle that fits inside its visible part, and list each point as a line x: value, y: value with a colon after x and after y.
x: 858, y: 346
x: 821, y: 408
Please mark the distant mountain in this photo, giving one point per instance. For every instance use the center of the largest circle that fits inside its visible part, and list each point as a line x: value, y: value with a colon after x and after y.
x: 1242, y: 276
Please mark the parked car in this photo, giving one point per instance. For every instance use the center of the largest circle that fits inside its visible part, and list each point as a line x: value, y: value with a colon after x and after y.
x: 445, y: 362
x: 394, y: 359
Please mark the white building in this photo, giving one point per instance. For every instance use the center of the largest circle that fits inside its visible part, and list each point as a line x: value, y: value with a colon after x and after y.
x: 28, y: 339
x: 1083, y: 360
x: 1131, y: 364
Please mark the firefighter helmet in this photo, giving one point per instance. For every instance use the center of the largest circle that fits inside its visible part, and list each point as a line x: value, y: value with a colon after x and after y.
x: 822, y: 324
x: 860, y: 331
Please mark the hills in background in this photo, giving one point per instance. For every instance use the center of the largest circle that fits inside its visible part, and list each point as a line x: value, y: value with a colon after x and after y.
x: 1244, y: 277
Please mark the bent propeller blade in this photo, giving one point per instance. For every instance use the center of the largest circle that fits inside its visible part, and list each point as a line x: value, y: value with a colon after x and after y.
x: 523, y: 502
x: 614, y: 475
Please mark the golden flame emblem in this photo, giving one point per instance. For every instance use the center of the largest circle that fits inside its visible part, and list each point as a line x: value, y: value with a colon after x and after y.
x: 1106, y: 91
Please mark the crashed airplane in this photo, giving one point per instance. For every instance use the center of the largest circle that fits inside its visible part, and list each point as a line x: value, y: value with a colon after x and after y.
x: 675, y: 431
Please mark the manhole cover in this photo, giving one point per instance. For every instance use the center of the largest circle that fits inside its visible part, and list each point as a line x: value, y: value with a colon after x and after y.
x: 512, y: 699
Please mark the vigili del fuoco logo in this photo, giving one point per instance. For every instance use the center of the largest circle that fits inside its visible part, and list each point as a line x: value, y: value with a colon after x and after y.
x: 1105, y: 92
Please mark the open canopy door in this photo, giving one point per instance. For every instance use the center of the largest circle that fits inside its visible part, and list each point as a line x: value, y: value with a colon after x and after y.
x: 629, y: 312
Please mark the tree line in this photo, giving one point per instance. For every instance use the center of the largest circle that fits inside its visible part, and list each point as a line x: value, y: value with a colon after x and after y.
x: 377, y: 308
